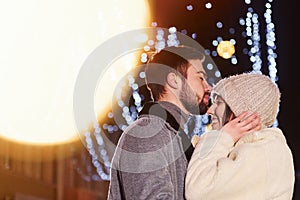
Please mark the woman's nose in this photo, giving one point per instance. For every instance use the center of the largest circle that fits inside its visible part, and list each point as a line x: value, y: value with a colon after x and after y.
x: 210, y: 110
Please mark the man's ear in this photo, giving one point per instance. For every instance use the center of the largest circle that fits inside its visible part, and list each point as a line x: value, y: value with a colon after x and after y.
x: 173, y: 80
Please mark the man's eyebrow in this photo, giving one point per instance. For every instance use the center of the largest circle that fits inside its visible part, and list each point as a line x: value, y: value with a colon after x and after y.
x: 203, y: 73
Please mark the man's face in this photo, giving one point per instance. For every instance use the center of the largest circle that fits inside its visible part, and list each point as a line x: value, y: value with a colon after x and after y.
x: 195, y: 90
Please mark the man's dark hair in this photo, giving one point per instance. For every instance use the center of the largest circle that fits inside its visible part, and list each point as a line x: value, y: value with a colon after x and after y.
x: 170, y: 59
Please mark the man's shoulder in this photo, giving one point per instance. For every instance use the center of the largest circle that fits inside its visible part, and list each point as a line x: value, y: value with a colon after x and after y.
x: 145, y: 119
x: 147, y: 125
x: 147, y: 132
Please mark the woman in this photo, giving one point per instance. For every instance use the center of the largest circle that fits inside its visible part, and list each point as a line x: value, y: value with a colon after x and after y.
x: 257, y: 165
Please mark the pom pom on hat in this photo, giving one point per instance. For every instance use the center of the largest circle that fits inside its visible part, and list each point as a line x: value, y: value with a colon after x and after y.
x: 252, y: 93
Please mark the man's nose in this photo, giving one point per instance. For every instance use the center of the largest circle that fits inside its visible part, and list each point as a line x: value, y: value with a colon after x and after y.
x: 207, y: 87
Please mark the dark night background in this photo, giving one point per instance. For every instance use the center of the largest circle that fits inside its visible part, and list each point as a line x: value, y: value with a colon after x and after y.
x: 169, y: 13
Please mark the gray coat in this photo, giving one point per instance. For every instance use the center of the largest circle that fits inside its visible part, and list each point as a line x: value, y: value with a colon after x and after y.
x: 149, y: 161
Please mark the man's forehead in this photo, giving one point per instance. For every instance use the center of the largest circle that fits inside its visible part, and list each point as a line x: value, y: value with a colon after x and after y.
x: 196, y: 64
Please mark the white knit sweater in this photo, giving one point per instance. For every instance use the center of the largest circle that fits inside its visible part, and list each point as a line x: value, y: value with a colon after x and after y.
x: 258, y: 167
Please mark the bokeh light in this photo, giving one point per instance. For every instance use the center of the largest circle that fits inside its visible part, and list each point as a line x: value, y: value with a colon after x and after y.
x: 43, y: 45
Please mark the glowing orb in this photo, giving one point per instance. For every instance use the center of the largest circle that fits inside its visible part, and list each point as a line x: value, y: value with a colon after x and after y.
x: 43, y: 45
x: 225, y: 49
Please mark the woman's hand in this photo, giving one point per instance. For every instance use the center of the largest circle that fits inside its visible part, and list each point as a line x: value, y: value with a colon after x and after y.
x: 239, y: 126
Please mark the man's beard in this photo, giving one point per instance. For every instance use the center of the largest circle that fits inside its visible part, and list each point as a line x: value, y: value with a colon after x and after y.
x: 203, y: 108
x: 188, y: 99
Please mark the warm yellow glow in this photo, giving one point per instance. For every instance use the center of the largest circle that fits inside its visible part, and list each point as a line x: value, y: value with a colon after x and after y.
x: 225, y: 49
x: 109, y: 81
x: 43, y: 46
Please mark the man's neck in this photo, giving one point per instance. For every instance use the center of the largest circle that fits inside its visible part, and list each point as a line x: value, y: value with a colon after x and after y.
x: 174, y: 101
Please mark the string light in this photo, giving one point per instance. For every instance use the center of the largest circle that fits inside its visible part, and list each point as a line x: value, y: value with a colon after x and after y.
x: 270, y: 42
x: 271, y: 47
x: 97, y: 153
x: 172, y: 38
x: 103, y: 175
x: 252, y: 31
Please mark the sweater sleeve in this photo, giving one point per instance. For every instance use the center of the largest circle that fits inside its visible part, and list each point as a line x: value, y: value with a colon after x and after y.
x: 218, y: 170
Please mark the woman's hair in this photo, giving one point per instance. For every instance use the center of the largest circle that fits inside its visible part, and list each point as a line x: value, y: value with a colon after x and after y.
x: 228, y: 115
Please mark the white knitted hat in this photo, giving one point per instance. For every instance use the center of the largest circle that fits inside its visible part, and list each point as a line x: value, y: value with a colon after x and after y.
x: 250, y: 92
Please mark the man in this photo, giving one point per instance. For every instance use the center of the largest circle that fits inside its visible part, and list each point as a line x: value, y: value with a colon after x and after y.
x: 151, y: 157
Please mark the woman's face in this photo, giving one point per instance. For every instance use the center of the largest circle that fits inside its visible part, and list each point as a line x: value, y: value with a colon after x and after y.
x: 217, y: 111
